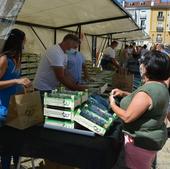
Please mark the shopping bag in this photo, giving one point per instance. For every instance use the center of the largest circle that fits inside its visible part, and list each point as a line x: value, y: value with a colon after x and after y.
x: 123, y: 81
x: 25, y: 110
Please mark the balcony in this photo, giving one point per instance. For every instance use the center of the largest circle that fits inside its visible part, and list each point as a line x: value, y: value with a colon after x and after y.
x: 160, y: 18
x: 159, y: 29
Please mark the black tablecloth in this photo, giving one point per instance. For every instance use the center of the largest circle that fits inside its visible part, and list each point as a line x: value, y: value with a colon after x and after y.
x: 85, y: 152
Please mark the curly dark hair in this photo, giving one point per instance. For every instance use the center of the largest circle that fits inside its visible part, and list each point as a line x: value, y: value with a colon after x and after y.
x: 157, y: 65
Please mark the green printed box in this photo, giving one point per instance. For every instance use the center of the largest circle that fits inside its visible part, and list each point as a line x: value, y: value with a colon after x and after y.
x: 59, y: 123
x: 62, y: 114
x: 61, y: 100
x: 90, y: 125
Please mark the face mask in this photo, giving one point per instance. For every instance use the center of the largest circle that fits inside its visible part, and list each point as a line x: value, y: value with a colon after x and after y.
x: 71, y: 51
x: 142, y: 70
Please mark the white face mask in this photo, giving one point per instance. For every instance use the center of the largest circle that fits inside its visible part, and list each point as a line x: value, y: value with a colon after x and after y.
x: 71, y: 51
x: 142, y: 70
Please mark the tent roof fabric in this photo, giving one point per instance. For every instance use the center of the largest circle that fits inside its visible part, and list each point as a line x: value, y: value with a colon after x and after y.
x: 96, y: 17
x: 131, y: 35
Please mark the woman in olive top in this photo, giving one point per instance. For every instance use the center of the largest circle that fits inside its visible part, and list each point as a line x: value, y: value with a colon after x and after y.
x: 168, y: 111
x: 143, y: 112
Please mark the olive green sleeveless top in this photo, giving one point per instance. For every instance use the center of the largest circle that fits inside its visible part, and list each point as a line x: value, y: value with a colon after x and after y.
x: 149, y: 130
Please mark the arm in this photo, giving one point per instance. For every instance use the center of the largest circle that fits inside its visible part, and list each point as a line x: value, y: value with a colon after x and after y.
x: 8, y: 83
x: 112, y: 54
x: 66, y: 80
x: 135, y: 50
x: 168, y: 82
x: 141, y: 100
x: 168, y: 112
x: 116, y: 63
x: 3, y: 68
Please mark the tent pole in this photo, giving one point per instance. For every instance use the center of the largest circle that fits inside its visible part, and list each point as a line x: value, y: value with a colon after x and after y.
x: 101, y: 51
x: 104, y: 45
x: 90, y: 50
x: 55, y: 36
x: 79, y: 34
x: 38, y: 37
x: 94, y: 45
x: 108, y: 40
x: 125, y: 41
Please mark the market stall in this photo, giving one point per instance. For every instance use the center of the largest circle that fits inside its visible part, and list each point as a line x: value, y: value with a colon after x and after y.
x: 67, y: 143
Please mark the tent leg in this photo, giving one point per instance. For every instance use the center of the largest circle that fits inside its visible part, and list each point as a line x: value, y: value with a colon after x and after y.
x: 38, y: 37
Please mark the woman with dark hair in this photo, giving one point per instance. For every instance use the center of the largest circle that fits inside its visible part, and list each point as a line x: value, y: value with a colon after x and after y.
x: 143, y: 112
x: 10, y: 81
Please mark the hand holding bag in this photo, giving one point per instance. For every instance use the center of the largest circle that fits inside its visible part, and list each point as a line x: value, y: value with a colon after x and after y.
x: 25, y: 110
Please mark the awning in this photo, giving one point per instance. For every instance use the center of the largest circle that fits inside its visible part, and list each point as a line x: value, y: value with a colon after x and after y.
x: 131, y: 35
x: 96, y: 17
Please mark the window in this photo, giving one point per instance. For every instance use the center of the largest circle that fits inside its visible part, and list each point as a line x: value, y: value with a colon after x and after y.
x: 160, y: 14
x: 160, y: 24
x: 142, y: 14
x: 143, y: 25
x: 159, y: 35
x: 159, y: 38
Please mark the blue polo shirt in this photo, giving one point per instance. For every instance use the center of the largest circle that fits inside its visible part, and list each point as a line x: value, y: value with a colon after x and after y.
x: 74, y: 65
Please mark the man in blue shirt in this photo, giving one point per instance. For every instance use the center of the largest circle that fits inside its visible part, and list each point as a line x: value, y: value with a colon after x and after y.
x: 75, y: 66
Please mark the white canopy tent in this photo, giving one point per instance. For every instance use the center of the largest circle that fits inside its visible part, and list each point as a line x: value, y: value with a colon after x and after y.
x: 49, y: 20
x: 131, y: 35
x: 95, y: 16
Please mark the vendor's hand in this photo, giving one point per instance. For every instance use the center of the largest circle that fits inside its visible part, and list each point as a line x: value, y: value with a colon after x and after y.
x: 24, y: 81
x: 111, y: 100
x: 117, y: 92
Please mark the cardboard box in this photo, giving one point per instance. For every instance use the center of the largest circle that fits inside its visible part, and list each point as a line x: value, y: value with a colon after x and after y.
x: 101, y: 130
x: 58, y: 123
x: 61, y: 100
x: 83, y: 95
x: 90, y: 125
x: 62, y: 114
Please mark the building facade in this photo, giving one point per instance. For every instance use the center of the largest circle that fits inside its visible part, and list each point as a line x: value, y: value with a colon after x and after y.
x: 153, y: 16
x: 160, y: 24
x: 141, y: 12
x: 142, y: 17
